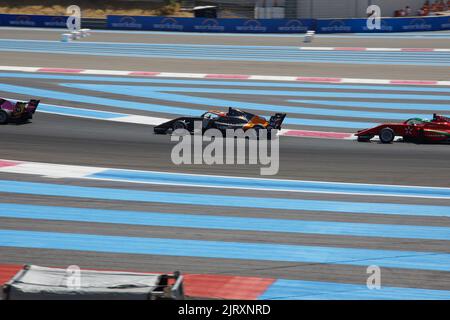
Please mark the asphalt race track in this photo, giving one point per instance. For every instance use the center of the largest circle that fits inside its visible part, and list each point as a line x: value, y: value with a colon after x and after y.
x: 309, y: 242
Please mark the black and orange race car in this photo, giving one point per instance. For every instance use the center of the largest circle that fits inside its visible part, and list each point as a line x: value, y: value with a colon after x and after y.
x: 233, y: 119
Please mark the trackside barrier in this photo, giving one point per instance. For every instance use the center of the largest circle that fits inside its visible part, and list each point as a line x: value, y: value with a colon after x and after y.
x: 275, y: 25
x: 210, y: 25
x: 116, y: 22
x: 32, y: 21
x: 43, y: 21
x: 387, y: 25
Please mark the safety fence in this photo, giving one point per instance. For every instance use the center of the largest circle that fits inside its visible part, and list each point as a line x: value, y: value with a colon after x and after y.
x: 116, y: 22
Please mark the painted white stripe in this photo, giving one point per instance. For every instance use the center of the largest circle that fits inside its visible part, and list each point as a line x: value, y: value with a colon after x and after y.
x: 152, y: 121
x: 241, y: 77
x: 106, y: 72
x: 126, y: 118
x: 365, y: 81
x: 56, y: 171
x: 22, y: 69
x: 181, y: 75
x: 383, y: 49
x: 317, y: 48
x: 121, y: 117
x: 273, y: 78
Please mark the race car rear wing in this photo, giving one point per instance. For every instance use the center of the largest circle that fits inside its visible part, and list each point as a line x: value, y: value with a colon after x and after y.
x: 438, y: 118
x: 276, y: 120
x: 32, y: 105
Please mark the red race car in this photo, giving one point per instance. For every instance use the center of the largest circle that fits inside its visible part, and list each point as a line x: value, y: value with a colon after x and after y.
x: 414, y: 130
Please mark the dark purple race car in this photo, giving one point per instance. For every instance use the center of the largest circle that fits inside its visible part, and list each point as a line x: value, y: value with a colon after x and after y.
x: 17, y: 111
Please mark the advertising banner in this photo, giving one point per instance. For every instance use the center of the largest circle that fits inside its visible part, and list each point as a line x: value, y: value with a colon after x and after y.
x: 387, y: 25
x: 35, y: 21
x: 210, y: 25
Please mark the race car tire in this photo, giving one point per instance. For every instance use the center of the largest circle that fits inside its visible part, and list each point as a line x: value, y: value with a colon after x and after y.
x: 387, y: 135
x: 179, y: 125
x: 3, y: 117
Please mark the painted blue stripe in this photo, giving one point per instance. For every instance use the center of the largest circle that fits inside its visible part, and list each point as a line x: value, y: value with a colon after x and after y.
x: 226, y: 83
x: 160, y: 93
x: 222, y: 222
x: 377, y: 105
x: 69, y: 111
x: 148, y: 91
x: 51, y: 94
x: 405, y: 106
x: 253, y: 55
x: 284, y: 51
x: 225, y: 250
x: 79, y: 112
x: 329, y: 123
x: 191, y: 46
x: 173, y: 49
x: 223, y: 52
x: 314, y: 290
x: 59, y: 190
x: 187, y: 111
x: 269, y: 184
x: 230, y: 58
x: 227, y: 57
x: 407, y: 35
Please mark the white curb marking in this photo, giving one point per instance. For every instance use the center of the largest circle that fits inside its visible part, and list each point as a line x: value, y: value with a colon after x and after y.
x: 225, y: 76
